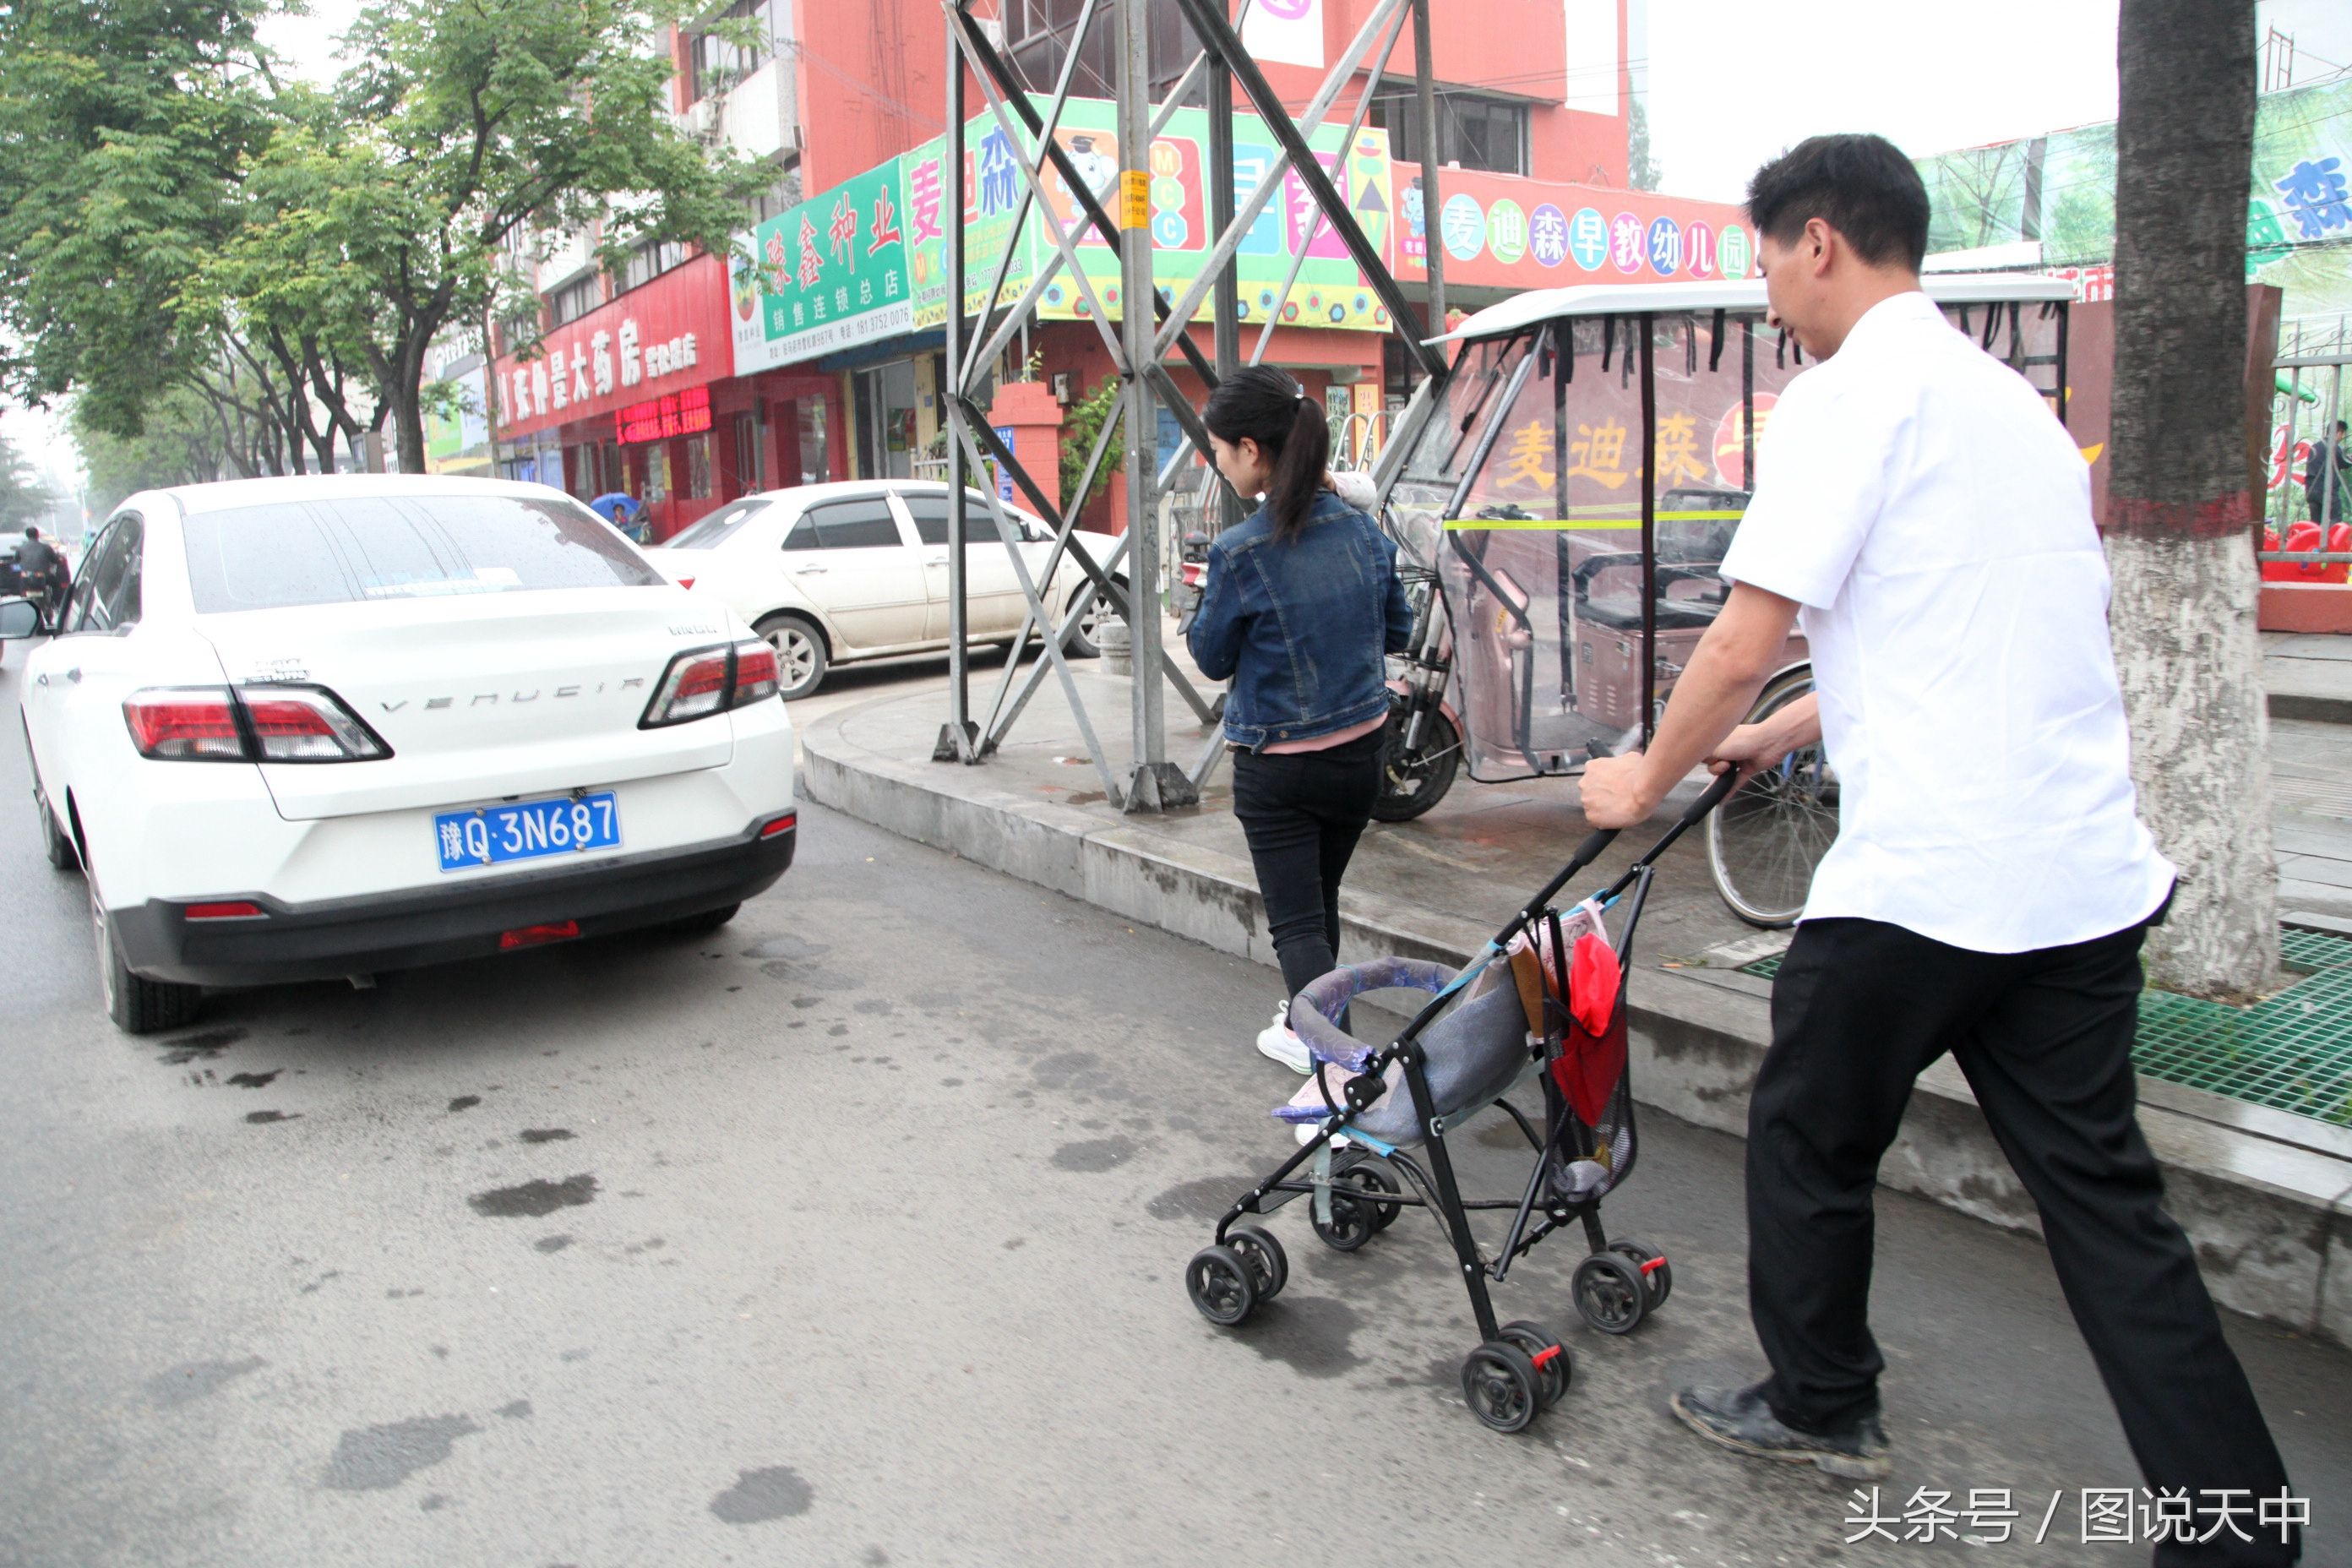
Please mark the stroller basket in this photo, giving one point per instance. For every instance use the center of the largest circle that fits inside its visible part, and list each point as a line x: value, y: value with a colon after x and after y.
x: 1551, y: 1011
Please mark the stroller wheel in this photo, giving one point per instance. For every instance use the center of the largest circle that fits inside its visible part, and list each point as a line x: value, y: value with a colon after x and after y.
x: 1501, y: 1386
x: 1371, y: 1177
x: 1351, y: 1222
x: 1269, y: 1270
x: 1554, y: 1366
x: 1222, y: 1285
x: 1609, y: 1293
x: 1657, y: 1283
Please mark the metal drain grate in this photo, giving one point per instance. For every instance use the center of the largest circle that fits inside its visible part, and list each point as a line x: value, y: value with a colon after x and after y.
x: 2293, y: 1052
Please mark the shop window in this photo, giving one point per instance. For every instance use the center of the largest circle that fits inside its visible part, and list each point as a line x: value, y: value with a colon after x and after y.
x: 698, y: 467
x: 1473, y: 133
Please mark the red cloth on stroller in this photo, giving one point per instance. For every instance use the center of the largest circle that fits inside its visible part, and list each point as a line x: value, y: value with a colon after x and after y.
x: 1592, y: 1059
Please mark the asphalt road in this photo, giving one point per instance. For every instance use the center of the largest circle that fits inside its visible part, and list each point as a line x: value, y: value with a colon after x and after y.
x: 855, y: 1234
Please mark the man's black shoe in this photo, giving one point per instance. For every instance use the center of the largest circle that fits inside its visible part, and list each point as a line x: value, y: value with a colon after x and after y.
x: 1740, y: 1420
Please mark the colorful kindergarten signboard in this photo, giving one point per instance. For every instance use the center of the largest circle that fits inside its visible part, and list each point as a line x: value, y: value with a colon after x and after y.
x: 867, y: 260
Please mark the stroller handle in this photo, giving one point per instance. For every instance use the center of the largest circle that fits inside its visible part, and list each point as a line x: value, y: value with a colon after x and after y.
x: 1594, y: 847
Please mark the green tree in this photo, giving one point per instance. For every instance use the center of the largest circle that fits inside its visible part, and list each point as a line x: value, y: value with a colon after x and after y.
x: 24, y: 495
x: 1640, y: 165
x: 185, y: 438
x: 464, y: 131
x: 122, y: 128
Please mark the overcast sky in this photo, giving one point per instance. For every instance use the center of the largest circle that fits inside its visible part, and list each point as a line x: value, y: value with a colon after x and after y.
x: 1732, y: 82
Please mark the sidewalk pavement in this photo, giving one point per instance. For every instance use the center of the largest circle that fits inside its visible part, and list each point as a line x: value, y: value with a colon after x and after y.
x: 2308, y: 676
x: 2266, y: 1195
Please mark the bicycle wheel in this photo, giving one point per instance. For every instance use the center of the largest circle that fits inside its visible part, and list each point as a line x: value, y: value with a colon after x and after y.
x: 1763, y: 844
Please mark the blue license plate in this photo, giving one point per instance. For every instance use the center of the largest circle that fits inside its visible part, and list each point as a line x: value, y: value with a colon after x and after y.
x: 527, y: 830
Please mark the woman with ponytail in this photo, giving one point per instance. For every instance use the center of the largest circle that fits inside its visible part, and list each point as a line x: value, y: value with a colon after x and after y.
x: 1301, y: 605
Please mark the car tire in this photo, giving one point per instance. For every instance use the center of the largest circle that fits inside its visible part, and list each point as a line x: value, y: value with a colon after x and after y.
x: 800, y: 659
x: 55, y: 842
x: 1082, y: 644
x: 137, y: 1006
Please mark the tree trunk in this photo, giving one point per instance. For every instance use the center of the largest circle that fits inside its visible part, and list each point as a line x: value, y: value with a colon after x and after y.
x: 2180, y: 500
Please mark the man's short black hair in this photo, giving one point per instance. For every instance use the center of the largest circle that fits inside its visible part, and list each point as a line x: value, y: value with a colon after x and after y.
x: 1862, y: 186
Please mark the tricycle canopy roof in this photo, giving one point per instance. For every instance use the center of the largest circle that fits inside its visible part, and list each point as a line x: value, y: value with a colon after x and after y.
x: 1524, y: 310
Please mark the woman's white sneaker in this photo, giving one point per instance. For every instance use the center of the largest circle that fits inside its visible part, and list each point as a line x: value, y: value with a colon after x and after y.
x: 1277, y: 1043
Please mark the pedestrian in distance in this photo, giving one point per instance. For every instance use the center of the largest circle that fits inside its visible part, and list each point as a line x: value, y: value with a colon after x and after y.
x: 1921, y: 514
x: 623, y: 511
x: 1299, y: 609
x: 2324, y: 479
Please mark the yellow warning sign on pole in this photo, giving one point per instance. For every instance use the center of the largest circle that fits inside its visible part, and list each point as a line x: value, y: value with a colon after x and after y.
x: 1134, y: 199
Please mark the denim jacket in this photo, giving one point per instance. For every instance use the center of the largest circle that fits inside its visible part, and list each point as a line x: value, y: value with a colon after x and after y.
x: 1301, y: 629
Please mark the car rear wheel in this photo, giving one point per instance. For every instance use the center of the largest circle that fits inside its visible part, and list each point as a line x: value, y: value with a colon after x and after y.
x: 137, y: 1006
x: 1082, y: 644
x: 54, y: 841
x: 800, y: 653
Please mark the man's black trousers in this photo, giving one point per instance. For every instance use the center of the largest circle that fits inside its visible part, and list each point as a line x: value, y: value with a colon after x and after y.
x: 1858, y: 1009
x: 1302, y: 813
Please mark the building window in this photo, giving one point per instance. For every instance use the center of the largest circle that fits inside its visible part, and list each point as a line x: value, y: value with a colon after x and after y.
x: 575, y: 300
x: 717, y: 64
x: 649, y: 261
x: 1473, y: 133
x: 698, y: 467
x: 1038, y: 35
x: 780, y: 197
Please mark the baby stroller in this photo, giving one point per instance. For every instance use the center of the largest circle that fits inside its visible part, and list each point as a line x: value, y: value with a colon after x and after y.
x: 1562, y: 1019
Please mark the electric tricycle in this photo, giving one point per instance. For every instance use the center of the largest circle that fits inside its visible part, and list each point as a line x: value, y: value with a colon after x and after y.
x: 1562, y: 521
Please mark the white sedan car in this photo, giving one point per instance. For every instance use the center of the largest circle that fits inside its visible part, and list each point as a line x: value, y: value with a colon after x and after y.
x: 833, y: 573
x: 314, y: 727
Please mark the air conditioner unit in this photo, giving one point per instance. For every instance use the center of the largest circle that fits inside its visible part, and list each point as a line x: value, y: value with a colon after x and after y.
x: 701, y: 118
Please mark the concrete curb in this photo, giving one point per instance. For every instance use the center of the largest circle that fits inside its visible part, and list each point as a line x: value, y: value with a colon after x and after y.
x: 2266, y: 1198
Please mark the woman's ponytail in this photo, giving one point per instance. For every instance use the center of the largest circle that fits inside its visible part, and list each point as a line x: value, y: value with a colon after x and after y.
x: 1268, y: 408
x: 1298, y: 471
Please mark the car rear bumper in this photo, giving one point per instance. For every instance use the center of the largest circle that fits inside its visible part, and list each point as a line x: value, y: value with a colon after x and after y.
x: 380, y: 932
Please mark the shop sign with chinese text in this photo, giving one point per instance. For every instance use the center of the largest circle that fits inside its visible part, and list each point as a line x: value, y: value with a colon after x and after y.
x: 827, y: 275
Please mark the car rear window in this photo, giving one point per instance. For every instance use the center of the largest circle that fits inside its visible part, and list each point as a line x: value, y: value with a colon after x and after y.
x: 718, y: 528
x: 352, y: 549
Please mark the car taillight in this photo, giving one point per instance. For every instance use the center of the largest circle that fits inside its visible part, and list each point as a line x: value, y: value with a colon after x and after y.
x: 694, y: 687
x: 248, y: 724
x: 755, y: 673
x: 190, y: 726
x: 307, y: 724
x: 711, y: 680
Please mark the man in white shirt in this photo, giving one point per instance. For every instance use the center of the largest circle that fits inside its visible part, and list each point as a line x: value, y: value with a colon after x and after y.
x: 1925, y: 518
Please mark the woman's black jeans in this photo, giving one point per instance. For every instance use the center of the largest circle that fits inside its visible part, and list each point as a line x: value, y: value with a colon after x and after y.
x: 1303, y: 812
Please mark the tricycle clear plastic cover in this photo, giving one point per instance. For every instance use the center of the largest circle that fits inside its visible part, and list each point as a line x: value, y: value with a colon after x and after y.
x: 1559, y: 600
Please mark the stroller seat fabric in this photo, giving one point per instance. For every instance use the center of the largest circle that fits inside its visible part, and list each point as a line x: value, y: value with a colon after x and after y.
x: 1474, y: 1053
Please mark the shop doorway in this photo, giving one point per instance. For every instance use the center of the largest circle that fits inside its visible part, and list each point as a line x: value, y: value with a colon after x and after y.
x: 886, y: 420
